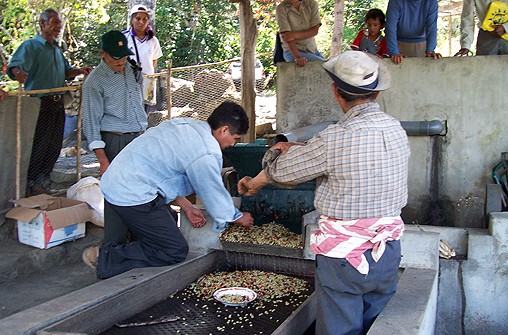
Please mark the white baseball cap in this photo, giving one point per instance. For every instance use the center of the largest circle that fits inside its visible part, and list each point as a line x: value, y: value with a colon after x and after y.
x: 140, y: 9
x: 358, y: 73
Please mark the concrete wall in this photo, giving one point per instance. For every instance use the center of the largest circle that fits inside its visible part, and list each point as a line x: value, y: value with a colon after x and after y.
x: 448, y: 173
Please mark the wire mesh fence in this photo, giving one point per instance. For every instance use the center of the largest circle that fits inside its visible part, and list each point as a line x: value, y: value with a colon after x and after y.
x: 194, y: 91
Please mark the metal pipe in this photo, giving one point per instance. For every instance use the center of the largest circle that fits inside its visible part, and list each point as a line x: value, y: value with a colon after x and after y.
x: 302, y: 134
x: 424, y: 128
x: 412, y: 128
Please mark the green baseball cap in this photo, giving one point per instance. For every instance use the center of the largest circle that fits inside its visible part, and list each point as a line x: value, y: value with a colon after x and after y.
x: 115, y: 44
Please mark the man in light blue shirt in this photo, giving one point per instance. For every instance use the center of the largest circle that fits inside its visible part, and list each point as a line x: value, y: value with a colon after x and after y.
x: 165, y: 164
x: 113, y: 113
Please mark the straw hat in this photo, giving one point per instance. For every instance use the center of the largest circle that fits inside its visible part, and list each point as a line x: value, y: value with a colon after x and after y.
x: 358, y: 73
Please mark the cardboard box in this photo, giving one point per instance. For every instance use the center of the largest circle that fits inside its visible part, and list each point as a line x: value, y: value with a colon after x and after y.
x: 45, y: 221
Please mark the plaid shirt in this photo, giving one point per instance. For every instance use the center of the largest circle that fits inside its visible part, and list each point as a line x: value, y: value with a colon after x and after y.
x: 360, y: 165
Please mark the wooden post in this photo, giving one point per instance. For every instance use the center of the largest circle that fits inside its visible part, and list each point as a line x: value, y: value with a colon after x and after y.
x: 338, y: 28
x: 248, y: 38
x: 168, y: 90
x: 78, y: 137
x: 450, y: 27
x: 18, y: 141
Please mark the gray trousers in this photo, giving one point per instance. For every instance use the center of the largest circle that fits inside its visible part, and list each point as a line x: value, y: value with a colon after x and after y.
x: 412, y: 49
x: 347, y: 301
x: 115, y: 229
x: 487, y: 44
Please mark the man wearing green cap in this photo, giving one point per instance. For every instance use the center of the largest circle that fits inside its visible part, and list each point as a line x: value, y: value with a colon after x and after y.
x: 113, y: 113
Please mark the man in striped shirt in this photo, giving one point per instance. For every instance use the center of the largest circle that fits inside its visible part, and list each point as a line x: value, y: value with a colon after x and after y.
x: 113, y: 114
x: 360, y: 165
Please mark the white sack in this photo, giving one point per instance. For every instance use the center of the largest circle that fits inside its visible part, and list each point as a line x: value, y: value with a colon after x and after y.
x: 88, y: 190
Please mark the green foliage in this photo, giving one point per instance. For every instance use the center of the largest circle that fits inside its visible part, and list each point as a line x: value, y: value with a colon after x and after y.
x: 190, y: 31
x: 89, y: 21
x: 194, y: 32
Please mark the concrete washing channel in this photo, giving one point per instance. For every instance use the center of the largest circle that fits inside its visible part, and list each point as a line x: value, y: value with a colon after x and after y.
x: 416, y: 308
x: 98, y: 307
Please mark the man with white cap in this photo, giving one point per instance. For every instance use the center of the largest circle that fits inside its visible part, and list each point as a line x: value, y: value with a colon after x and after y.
x: 360, y: 165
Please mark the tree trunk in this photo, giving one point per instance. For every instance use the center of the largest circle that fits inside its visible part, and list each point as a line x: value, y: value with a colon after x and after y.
x: 248, y: 38
x: 338, y: 28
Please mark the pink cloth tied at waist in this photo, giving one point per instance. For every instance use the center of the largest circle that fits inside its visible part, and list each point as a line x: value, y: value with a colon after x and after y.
x: 350, y: 239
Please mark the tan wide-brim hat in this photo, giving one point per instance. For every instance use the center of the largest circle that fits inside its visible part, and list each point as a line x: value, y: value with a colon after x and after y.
x: 358, y: 73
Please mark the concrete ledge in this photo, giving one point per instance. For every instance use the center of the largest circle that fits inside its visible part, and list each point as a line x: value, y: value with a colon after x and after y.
x: 420, y: 250
x: 455, y: 236
x: 120, y: 287
x: 498, y: 227
x: 412, y: 310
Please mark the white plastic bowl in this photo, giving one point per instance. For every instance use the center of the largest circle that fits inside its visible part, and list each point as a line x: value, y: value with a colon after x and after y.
x: 235, y: 296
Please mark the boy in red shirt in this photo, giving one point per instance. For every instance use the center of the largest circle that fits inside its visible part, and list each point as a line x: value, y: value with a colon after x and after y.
x: 371, y: 40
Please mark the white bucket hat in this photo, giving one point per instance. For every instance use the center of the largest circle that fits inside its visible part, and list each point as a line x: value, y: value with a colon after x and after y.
x: 139, y: 9
x: 358, y: 73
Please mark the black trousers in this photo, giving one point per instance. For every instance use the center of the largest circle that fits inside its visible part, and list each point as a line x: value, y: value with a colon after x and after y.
x: 158, y: 240
x: 115, y: 229
x: 48, y: 139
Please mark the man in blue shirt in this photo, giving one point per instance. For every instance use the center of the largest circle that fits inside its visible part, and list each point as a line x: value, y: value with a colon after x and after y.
x: 40, y: 64
x: 165, y: 164
x: 113, y: 113
x: 411, y: 29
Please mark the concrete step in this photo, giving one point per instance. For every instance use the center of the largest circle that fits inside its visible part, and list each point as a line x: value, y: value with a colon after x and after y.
x: 31, y: 276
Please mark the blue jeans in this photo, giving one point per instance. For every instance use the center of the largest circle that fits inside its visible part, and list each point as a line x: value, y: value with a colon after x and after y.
x: 288, y: 55
x: 347, y: 301
x: 157, y: 240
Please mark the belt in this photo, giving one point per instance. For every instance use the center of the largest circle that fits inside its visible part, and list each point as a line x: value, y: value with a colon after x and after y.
x: 120, y: 134
x: 54, y: 97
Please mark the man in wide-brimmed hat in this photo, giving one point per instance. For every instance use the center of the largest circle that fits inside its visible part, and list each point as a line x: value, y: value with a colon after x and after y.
x: 360, y: 165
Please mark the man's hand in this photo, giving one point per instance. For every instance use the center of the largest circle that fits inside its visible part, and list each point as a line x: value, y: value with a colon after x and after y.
x: 3, y: 94
x: 499, y: 31
x: 195, y: 216
x: 19, y: 75
x: 397, y: 59
x: 288, y: 36
x: 250, y: 186
x: 462, y: 52
x: 85, y: 70
x: 103, y: 167
x: 245, y: 221
x: 433, y: 54
x: 284, y: 146
x: 102, y: 159
x: 244, y: 186
x: 72, y: 73
x: 300, y: 61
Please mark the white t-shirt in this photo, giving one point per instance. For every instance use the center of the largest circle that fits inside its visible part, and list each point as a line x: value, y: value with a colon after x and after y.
x: 149, y: 50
